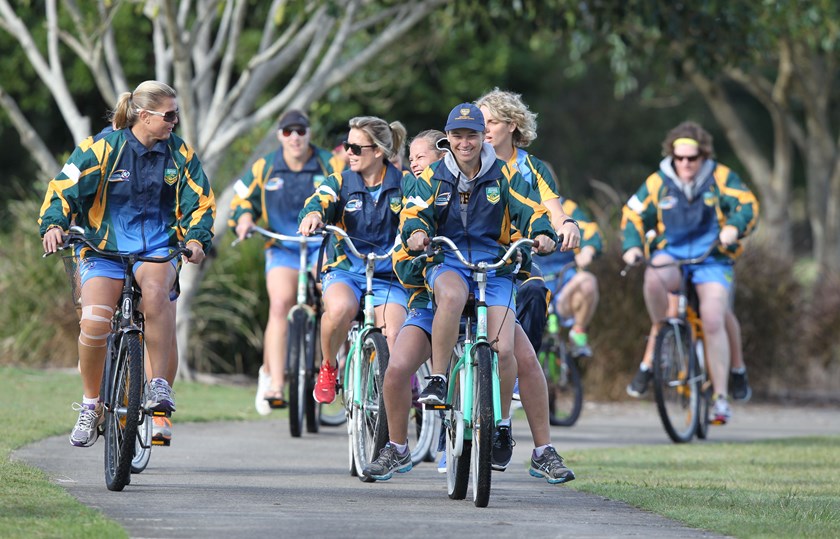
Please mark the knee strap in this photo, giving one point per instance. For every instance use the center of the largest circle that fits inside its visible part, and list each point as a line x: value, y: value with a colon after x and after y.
x: 95, y: 340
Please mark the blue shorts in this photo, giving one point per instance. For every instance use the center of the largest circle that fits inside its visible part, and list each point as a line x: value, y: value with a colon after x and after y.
x: 421, y: 318
x: 499, y: 291
x: 711, y: 273
x: 289, y: 257
x: 559, y: 281
x: 384, y: 290
x: 94, y: 266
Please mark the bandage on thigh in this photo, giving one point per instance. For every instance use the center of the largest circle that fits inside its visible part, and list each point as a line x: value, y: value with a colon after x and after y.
x: 95, y: 326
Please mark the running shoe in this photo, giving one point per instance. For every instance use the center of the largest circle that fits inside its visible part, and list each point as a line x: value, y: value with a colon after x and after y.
x: 502, y: 450
x: 161, y: 430
x: 324, y: 391
x: 579, y: 342
x: 160, y: 398
x: 640, y: 383
x: 551, y: 467
x: 741, y: 390
x: 86, y: 431
x: 388, y: 462
x: 263, y: 385
x: 434, y: 392
x: 721, y: 412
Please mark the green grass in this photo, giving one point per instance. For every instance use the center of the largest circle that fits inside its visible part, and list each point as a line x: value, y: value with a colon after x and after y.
x: 35, y: 404
x: 784, y: 488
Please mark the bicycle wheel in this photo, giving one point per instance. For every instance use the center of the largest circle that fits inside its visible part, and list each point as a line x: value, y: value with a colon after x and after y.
x: 143, y: 445
x: 423, y: 424
x: 296, y: 369
x: 565, y: 388
x: 484, y: 425
x: 675, y: 385
x: 458, y: 449
x: 335, y: 414
x: 312, y: 408
x: 123, y: 413
x: 705, y: 391
x: 370, y: 427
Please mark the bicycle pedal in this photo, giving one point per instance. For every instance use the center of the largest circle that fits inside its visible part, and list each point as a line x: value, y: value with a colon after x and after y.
x: 164, y: 442
x: 276, y: 404
x: 437, y: 406
x: 156, y: 413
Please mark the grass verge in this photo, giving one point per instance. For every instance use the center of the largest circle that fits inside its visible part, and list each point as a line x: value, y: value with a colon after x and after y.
x: 35, y: 404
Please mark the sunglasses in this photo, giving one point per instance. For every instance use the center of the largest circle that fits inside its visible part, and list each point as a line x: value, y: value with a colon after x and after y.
x: 287, y: 132
x: 689, y: 158
x: 169, y: 116
x: 356, y: 149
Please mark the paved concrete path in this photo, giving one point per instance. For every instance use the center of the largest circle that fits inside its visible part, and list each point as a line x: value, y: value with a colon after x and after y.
x: 251, y: 479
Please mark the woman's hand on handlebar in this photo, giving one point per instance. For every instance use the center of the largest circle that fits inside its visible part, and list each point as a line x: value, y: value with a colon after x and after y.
x: 310, y: 224
x: 632, y: 256
x: 543, y: 244
x: 197, y: 254
x: 53, y: 239
x: 569, y: 235
x: 417, y: 241
x: 243, y: 226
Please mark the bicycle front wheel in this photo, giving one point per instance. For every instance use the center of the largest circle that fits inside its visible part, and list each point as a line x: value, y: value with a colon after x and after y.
x: 370, y: 428
x: 675, y: 384
x: 484, y: 425
x: 123, y: 414
x: 296, y: 370
x: 565, y: 389
x: 704, y: 418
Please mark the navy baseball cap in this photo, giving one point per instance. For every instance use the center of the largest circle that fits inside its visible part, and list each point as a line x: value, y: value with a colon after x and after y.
x: 293, y: 118
x: 465, y: 116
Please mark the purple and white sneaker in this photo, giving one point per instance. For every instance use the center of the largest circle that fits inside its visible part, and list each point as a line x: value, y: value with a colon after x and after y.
x: 160, y: 397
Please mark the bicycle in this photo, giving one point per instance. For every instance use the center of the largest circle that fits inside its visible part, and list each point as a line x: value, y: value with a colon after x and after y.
x: 473, y: 403
x: 124, y: 377
x: 303, y: 334
x: 682, y: 387
x: 364, y: 371
x: 562, y: 373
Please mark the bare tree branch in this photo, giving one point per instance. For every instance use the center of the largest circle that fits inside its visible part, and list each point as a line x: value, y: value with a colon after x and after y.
x: 28, y: 136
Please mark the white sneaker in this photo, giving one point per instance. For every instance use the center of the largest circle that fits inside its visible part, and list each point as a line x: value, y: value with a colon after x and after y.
x: 263, y: 385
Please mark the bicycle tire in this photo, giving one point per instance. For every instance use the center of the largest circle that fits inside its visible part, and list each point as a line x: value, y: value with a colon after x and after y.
x: 703, y: 419
x: 296, y: 370
x: 312, y: 409
x: 675, y: 387
x: 370, y: 423
x: 123, y: 413
x: 565, y: 389
x: 457, y: 466
x: 349, y: 409
x: 425, y: 424
x: 335, y: 414
x: 484, y: 425
x: 143, y: 445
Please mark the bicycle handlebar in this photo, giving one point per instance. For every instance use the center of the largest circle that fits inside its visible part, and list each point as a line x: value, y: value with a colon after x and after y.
x: 76, y: 235
x: 352, y: 246
x: 276, y: 236
x: 481, y: 266
x: 675, y: 263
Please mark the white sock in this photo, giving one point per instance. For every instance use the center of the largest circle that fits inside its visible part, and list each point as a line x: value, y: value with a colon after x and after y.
x: 644, y: 367
x: 505, y: 422
x: 538, y: 451
x: 440, y: 376
x: 401, y: 448
x: 90, y: 401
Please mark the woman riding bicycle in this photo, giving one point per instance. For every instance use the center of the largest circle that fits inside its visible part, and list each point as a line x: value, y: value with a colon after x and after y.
x: 275, y: 189
x: 139, y: 189
x: 689, y: 203
x: 365, y: 201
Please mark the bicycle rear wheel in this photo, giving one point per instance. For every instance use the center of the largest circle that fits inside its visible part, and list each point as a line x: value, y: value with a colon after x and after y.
x: 370, y: 427
x: 675, y: 383
x: 335, y: 414
x: 143, y: 446
x: 565, y: 388
x: 458, y: 449
x: 424, y: 424
x: 484, y: 425
x: 123, y: 412
x: 312, y: 409
x: 296, y: 369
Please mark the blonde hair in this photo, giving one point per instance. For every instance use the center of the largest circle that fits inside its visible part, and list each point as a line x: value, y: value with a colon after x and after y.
x: 690, y: 130
x: 390, y: 138
x: 509, y: 107
x: 432, y: 136
x: 148, y: 95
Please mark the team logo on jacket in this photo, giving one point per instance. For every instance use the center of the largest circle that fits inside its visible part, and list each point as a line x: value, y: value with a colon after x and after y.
x: 273, y: 184
x: 120, y: 176
x: 395, y: 204
x: 667, y: 203
x: 353, y: 205
x: 170, y: 176
x: 442, y: 199
x: 709, y: 198
x: 492, y: 194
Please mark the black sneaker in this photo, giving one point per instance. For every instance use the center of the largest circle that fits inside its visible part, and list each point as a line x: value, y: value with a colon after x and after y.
x: 502, y: 448
x: 741, y: 390
x: 550, y: 466
x: 388, y: 462
x: 640, y: 383
x: 434, y: 392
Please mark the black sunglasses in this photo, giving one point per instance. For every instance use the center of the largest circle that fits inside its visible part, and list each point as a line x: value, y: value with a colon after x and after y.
x: 287, y: 131
x: 356, y: 149
x: 168, y: 116
x: 689, y: 158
